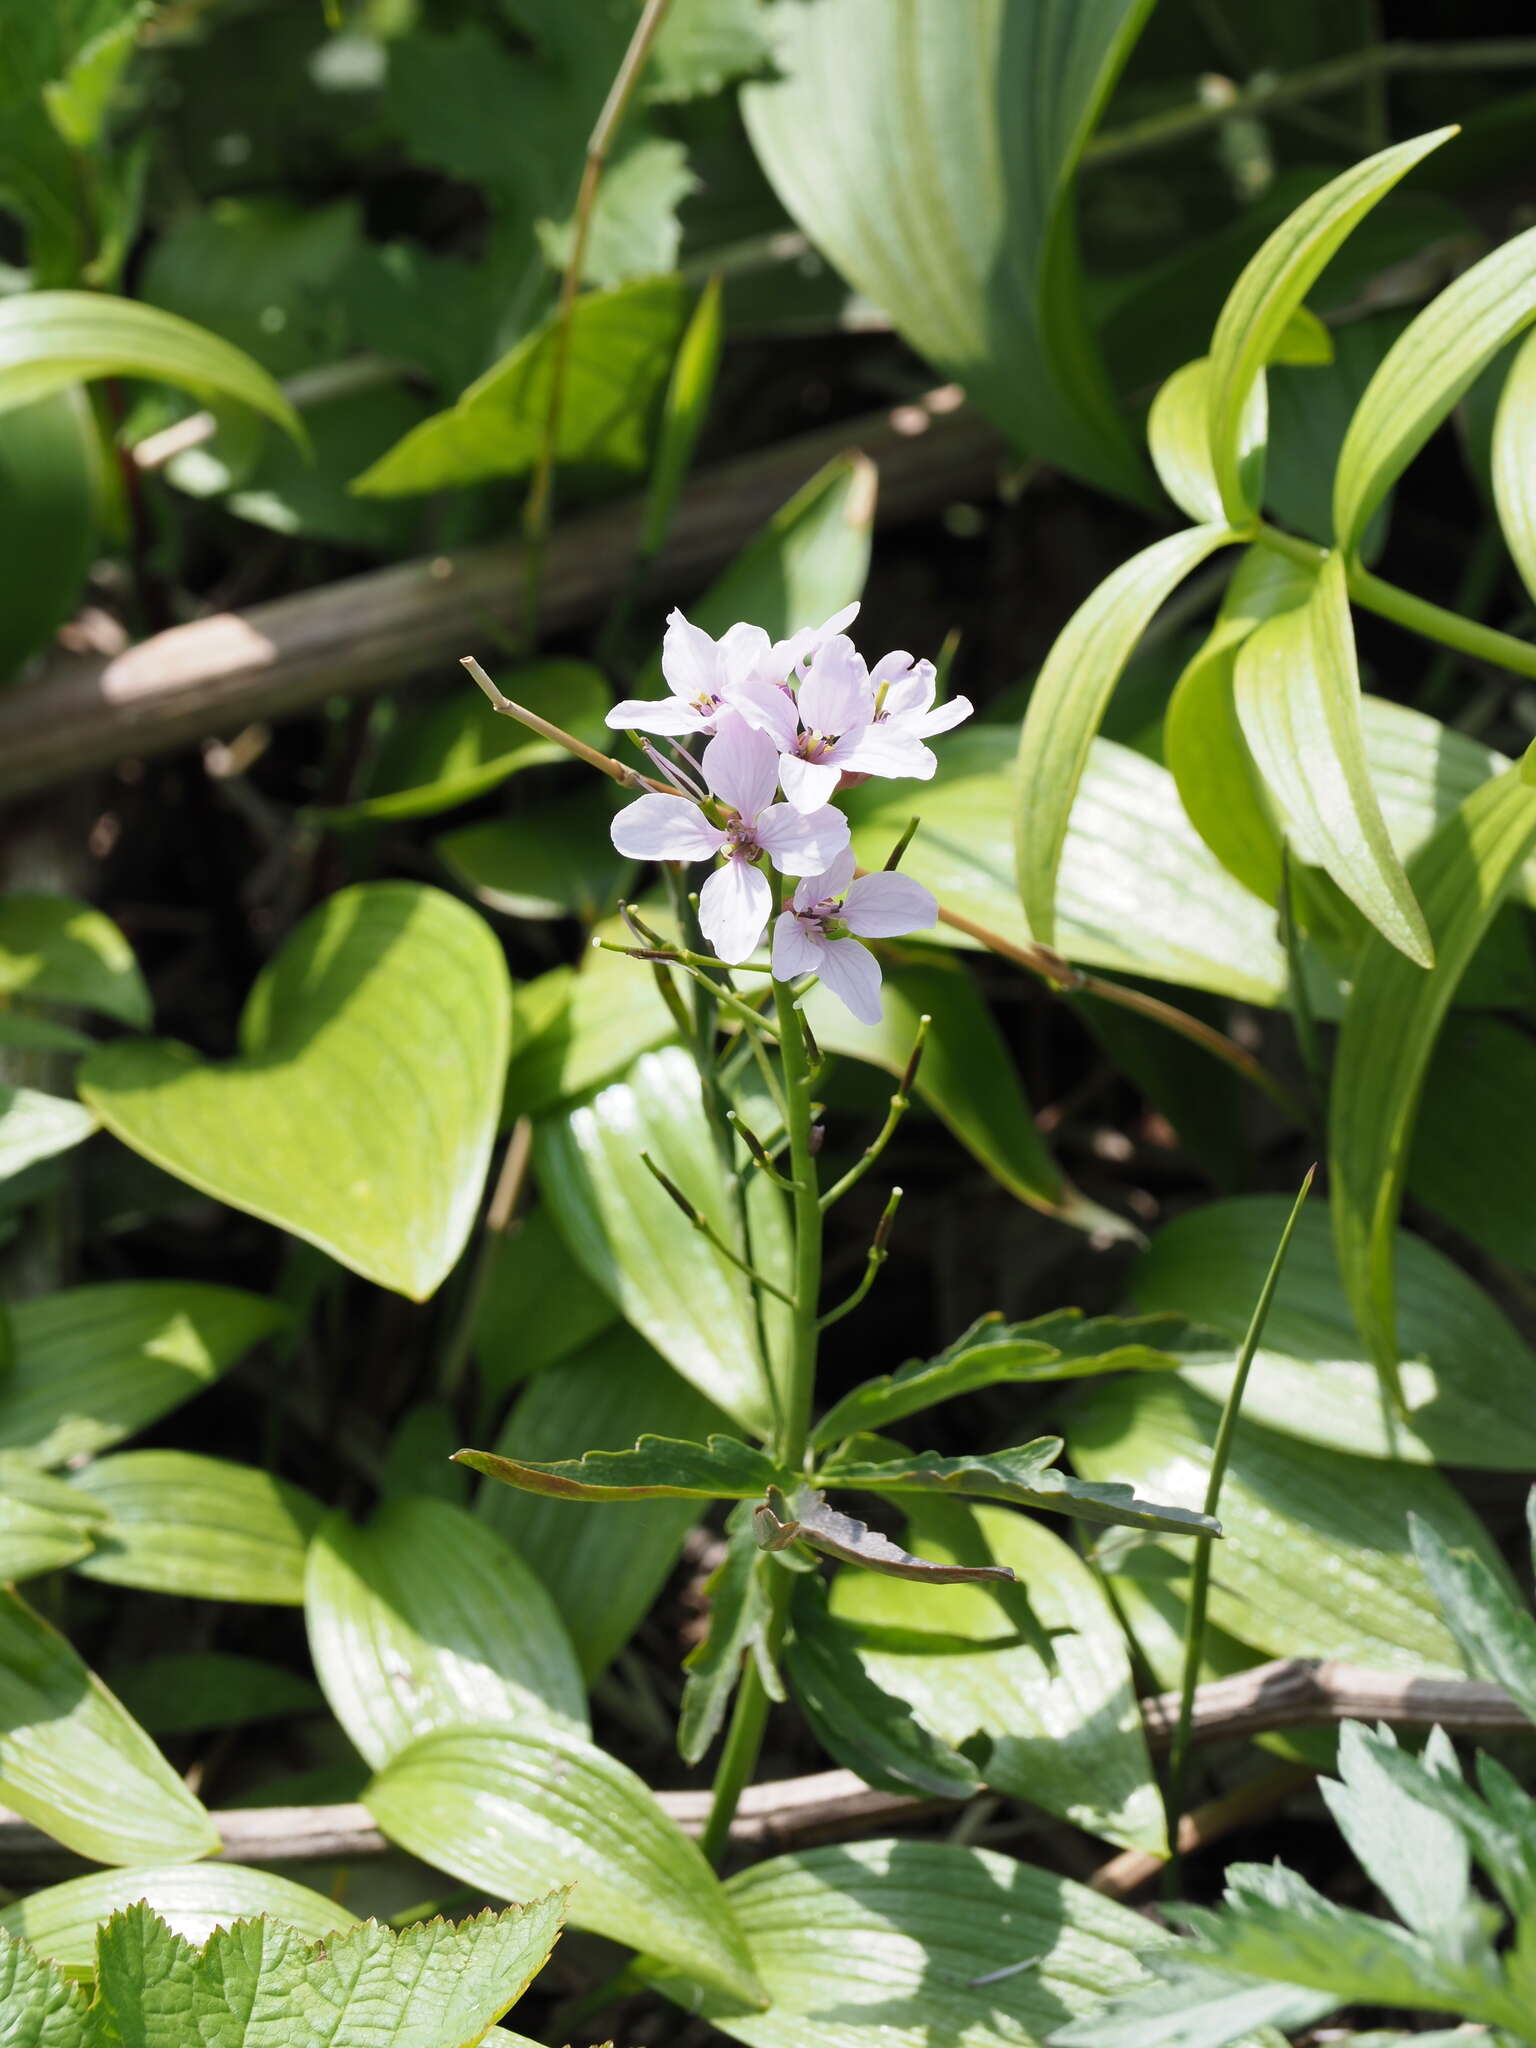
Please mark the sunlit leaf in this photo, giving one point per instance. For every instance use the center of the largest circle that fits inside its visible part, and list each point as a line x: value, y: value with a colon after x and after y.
x: 657, y: 1468
x: 1179, y: 438
x: 58, y: 950
x: 1496, y: 1632
x: 192, y: 1898
x: 45, y: 1523
x: 35, y: 1126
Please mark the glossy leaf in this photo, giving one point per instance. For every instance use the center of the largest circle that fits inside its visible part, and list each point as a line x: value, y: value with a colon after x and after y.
x: 740, y: 1622
x: 1514, y: 461
x: 603, y: 1566
x: 35, y: 1126
x: 1464, y: 1366
x: 1271, y: 288
x: 512, y: 1812
x: 1061, y: 1729
x: 544, y: 861
x: 94, y: 1364
x: 361, y: 1110
x: 1179, y: 438
x: 192, y: 1898
x: 58, y: 950
x: 638, y: 1246
x: 658, y: 1468
x: 1416, y: 1858
x: 74, y: 1762
x: 971, y: 128
x: 1062, y: 1346
x: 950, y: 1943
x: 1026, y: 1476
x: 575, y: 1029
x: 1496, y: 1632
x: 1389, y: 1033
x: 684, y: 411
x: 52, y: 339
x: 426, y: 1619
x: 450, y: 752
x: 857, y: 1721
x: 1066, y: 706
x: 201, y: 1527
x: 1432, y: 364
x: 1296, y: 687
x: 1472, y: 1162
x: 620, y: 348
x: 807, y: 1517
x: 1315, y: 1560
x: 45, y: 1523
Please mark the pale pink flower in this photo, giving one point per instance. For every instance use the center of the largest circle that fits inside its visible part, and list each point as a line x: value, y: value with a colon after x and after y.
x: 829, y: 728
x: 708, y: 676
x: 741, y: 768
x: 819, y: 933
x: 904, y: 693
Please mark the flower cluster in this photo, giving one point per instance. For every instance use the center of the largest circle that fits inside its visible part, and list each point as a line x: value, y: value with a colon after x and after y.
x: 804, y: 716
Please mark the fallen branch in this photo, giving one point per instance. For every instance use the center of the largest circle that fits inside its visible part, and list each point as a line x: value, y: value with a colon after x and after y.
x: 367, y: 632
x: 794, y: 1812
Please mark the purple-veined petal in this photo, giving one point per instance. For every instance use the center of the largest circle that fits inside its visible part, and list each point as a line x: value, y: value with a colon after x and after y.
x: 741, y: 766
x: 799, y: 843
x: 886, y: 749
x: 770, y: 709
x: 836, y: 694
x: 734, y: 906
x: 808, y: 784
x: 852, y: 973
x: 661, y: 827
x: 657, y: 714
x: 795, y: 950
x: 885, y: 906
x: 942, y: 718
x: 690, y: 660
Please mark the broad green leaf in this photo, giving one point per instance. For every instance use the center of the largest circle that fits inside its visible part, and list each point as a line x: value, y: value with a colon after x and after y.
x: 658, y: 1468
x: 426, y: 1619
x: 45, y: 1523
x: 1429, y: 367
x: 1416, y: 1858
x: 50, y: 340
x: 1026, y: 1476
x: 536, y: 1307
x: 361, y: 1111
x: 50, y: 459
x: 1472, y: 1162
x: 1179, y: 438
x: 1191, y: 2007
x: 1204, y: 750
x: 1514, y: 461
x: 191, y: 1898
x: 1296, y: 686
x: 202, y: 1527
x: 1062, y: 1346
x: 1064, y: 1734
x: 1272, y: 286
x: 1496, y: 1633
x: 76, y: 1764
x: 573, y: 1030
x: 1465, y: 1370
x: 638, y: 1246
x: 970, y: 126
x: 865, y: 1726
x: 603, y: 1566
x: 620, y: 349
x: 94, y: 1364
x: 807, y: 1517
x: 448, y: 753
x: 183, y: 1692
x: 902, y: 1944
x: 42, y: 2008
x: 512, y: 1811
x: 1066, y: 707
x: 35, y: 1126
x: 1389, y: 1031
x: 634, y: 231
x: 1138, y: 892
x: 1315, y: 1559
x: 56, y: 949
x: 741, y: 1618
x: 703, y: 45
x: 544, y: 861
x: 684, y: 410
x: 967, y: 1077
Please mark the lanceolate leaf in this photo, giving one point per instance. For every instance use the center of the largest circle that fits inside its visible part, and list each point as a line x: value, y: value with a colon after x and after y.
x: 807, y: 1518
x: 1028, y: 1477
x: 75, y: 1763
x: 1514, y: 461
x: 1066, y: 705
x: 1179, y: 437
x: 192, y: 1898
x: 52, y: 339
x: 1297, y: 691
x: 45, y: 1523
x: 513, y: 1812
x: 1389, y: 1033
x: 426, y: 1619
x: 1433, y: 362
x: 970, y: 125
x: 658, y: 1468
x: 1261, y: 304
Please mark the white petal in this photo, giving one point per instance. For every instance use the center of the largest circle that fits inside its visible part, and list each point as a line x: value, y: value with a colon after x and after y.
x: 942, y: 719
x: 808, y: 784
x: 798, y: 844
x: 853, y: 975
x: 741, y: 765
x: 690, y: 660
x: 656, y: 714
x: 910, y: 685
x: 836, y: 693
x: 733, y: 908
x: 770, y: 710
x: 745, y: 652
x: 839, y: 621
x: 794, y: 949
x: 661, y: 827
x: 885, y: 906
x: 835, y: 879
x: 886, y: 749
